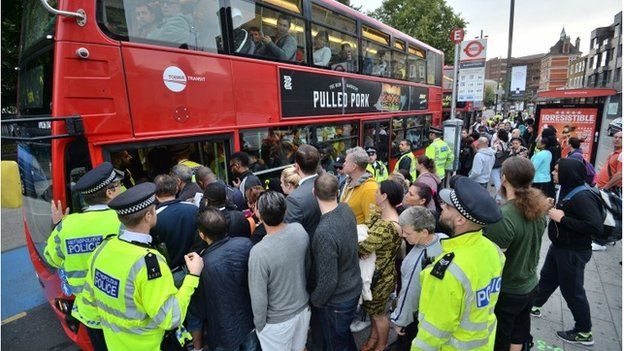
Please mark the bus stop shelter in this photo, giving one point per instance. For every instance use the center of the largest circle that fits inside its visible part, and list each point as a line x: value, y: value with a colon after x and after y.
x: 574, y: 113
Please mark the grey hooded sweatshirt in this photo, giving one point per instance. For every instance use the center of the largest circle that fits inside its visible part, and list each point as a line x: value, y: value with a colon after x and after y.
x: 482, y: 165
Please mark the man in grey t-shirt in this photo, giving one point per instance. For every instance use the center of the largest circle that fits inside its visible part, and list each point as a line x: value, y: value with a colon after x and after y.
x: 278, y: 269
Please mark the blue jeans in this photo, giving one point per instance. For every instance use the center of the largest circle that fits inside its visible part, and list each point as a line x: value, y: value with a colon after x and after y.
x: 335, y: 321
x: 250, y: 343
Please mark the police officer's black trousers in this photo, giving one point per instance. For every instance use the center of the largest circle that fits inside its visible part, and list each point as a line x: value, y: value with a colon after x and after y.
x: 96, y: 336
x: 565, y: 268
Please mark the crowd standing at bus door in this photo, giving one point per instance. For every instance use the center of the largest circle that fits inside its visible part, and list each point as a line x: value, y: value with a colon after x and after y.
x: 285, y: 273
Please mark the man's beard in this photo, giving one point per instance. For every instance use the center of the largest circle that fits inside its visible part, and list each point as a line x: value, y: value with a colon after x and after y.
x: 446, y: 228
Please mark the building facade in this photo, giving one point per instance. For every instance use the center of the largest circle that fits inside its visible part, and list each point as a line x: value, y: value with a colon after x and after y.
x: 576, y: 73
x: 555, y: 64
x: 496, y: 70
x: 604, y: 62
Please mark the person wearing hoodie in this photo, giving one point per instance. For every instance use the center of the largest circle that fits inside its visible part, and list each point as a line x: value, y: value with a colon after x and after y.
x: 482, y: 163
x: 576, y: 217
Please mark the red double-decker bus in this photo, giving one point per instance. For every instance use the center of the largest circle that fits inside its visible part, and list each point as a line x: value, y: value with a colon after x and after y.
x: 462, y: 107
x: 143, y: 83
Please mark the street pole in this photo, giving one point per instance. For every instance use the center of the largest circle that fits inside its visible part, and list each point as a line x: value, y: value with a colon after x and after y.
x: 509, y: 45
x: 455, y: 80
x: 496, y: 103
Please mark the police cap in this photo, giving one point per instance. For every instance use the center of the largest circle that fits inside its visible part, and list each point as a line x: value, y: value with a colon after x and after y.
x: 371, y: 150
x: 135, y: 199
x: 435, y: 130
x: 97, y: 178
x: 473, y: 201
x: 339, y: 161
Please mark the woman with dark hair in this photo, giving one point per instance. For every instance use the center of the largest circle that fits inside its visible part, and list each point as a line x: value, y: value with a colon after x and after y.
x: 466, y: 153
x: 252, y: 194
x: 384, y: 240
x: 419, y: 194
x: 427, y: 173
x: 541, y: 163
x: 519, y: 235
x: 549, y: 139
x: 501, y: 152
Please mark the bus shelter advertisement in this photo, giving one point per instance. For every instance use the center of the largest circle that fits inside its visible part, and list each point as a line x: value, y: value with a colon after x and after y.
x: 314, y: 94
x: 570, y: 122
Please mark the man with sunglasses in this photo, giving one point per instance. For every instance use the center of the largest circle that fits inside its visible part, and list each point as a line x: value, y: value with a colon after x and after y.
x: 77, y: 235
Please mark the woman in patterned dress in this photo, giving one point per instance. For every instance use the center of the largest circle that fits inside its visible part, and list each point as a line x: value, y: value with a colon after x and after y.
x: 384, y: 240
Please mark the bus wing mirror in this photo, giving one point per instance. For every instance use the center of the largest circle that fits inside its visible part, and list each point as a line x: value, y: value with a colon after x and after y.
x: 80, y: 15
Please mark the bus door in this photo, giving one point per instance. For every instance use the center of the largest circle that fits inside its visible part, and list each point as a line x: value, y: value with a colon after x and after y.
x: 377, y: 134
x: 143, y: 161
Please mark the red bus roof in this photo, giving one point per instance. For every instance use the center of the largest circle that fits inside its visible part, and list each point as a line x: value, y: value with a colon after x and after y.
x: 387, y: 29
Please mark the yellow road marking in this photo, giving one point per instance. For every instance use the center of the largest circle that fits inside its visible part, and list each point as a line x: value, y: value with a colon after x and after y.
x: 14, y: 318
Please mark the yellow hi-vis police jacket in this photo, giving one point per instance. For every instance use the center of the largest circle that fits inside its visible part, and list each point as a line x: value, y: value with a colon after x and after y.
x: 130, y: 288
x: 459, y: 292
x: 74, y: 239
x: 378, y: 170
x: 412, y: 170
x: 441, y: 154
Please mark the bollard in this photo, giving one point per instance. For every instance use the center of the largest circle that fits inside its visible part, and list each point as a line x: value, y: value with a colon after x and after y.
x: 11, y: 185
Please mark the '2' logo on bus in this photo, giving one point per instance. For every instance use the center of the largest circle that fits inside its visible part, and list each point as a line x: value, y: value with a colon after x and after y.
x: 288, y: 82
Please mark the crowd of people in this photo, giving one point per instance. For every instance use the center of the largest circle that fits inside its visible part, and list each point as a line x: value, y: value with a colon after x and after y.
x: 191, y: 259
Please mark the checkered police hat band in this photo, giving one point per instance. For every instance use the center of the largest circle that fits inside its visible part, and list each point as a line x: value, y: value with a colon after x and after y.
x: 138, y: 207
x: 102, y: 184
x: 462, y: 210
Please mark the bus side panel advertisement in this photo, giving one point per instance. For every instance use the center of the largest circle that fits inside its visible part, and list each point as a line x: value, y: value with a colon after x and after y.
x: 570, y: 122
x: 314, y: 94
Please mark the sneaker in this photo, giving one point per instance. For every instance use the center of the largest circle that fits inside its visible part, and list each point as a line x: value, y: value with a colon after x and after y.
x: 598, y: 247
x: 358, y: 326
x: 574, y: 337
x: 536, y: 312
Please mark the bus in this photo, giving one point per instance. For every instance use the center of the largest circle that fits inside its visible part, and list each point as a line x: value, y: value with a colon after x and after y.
x: 146, y: 83
x: 462, y: 107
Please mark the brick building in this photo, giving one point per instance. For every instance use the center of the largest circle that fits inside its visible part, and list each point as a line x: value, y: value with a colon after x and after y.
x: 496, y: 70
x: 555, y: 64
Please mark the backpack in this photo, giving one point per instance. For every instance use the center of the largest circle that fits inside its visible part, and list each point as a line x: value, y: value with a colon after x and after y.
x: 611, y: 208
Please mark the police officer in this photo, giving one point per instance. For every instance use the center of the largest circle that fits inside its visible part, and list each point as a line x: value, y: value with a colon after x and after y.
x: 76, y: 236
x: 407, y: 161
x: 376, y: 167
x: 439, y: 151
x: 129, y: 284
x: 460, y: 289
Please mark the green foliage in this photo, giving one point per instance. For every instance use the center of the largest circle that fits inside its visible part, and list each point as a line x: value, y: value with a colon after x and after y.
x: 348, y: 3
x: 430, y: 21
x: 11, y: 17
x: 490, y: 96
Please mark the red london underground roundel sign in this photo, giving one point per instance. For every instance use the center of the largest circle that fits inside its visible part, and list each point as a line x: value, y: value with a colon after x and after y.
x: 473, y: 48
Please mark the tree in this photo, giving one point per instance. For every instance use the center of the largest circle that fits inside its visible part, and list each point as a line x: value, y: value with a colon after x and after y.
x: 348, y: 3
x: 490, y: 96
x: 431, y: 21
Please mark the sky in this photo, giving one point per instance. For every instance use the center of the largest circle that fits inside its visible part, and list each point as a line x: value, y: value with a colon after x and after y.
x: 537, y: 23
